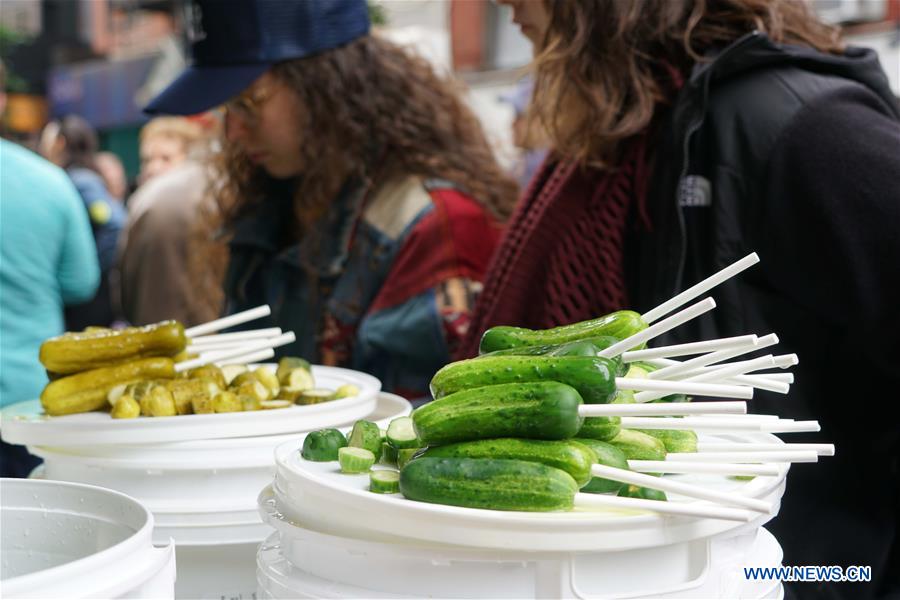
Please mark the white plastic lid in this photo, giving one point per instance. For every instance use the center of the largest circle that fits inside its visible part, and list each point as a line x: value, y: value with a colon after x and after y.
x: 319, y: 496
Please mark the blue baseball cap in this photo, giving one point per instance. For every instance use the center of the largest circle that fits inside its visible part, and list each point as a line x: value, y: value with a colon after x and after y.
x: 233, y: 42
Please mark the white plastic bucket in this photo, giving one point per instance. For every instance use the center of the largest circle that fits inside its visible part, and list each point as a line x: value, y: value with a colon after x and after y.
x: 202, y: 493
x: 299, y: 563
x: 67, y: 540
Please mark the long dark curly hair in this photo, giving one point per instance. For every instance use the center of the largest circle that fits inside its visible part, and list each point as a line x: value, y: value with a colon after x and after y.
x: 373, y: 111
x: 606, y: 66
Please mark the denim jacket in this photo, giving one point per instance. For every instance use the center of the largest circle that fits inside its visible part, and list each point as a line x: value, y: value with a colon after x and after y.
x: 384, y: 285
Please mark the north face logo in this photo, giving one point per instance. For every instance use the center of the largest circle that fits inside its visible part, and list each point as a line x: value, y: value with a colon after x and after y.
x: 694, y: 190
x: 193, y: 22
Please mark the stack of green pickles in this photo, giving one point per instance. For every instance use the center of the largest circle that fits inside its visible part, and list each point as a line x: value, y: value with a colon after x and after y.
x: 131, y: 372
x: 504, y: 432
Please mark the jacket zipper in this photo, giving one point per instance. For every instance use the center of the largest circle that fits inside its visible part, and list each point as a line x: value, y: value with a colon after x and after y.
x: 694, y: 126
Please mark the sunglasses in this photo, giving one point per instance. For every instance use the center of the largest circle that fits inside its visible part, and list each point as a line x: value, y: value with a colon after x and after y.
x: 247, y: 105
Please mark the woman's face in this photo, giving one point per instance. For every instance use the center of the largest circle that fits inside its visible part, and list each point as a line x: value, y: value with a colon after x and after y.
x: 532, y: 18
x: 159, y: 153
x: 263, y: 122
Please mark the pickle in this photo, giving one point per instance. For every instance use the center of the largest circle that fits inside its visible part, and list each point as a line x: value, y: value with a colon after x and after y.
x: 232, y: 371
x: 288, y: 364
x: 268, y: 379
x: 346, y: 391
x: 203, y: 404
x: 114, y: 394
x: 211, y: 372
x: 76, y: 352
x: 289, y: 393
x: 249, y: 402
x: 254, y: 389
x: 184, y: 355
x: 87, y: 391
x: 160, y: 402
x: 315, y: 396
x: 242, y: 379
x: 299, y: 378
x: 125, y: 407
x: 184, y: 391
x: 275, y: 404
x: 227, y: 402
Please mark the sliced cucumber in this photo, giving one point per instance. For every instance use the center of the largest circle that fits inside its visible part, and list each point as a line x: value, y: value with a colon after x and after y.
x: 243, y: 378
x: 288, y: 364
x: 300, y: 378
x: 268, y: 379
x: 384, y: 481
x: 232, y: 371
x: 289, y: 393
x: 270, y: 404
x: 249, y: 402
x: 355, y: 460
x: 402, y: 434
x: 346, y: 391
x: 227, y: 402
x: 315, y: 396
x: 388, y: 454
x: 114, y: 394
x: 365, y: 434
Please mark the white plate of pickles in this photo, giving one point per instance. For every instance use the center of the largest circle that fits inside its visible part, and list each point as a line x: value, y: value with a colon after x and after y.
x: 206, y: 403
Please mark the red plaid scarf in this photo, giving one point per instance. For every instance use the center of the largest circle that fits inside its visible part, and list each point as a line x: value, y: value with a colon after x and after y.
x: 561, y: 258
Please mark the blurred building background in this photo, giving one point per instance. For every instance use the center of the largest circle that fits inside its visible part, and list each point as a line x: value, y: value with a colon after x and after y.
x: 103, y: 59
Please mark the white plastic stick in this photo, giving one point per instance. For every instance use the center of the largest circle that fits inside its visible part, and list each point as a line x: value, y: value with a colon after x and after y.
x: 718, y: 390
x: 237, y: 336
x: 686, y: 349
x: 714, y: 468
x: 783, y: 426
x: 675, y: 408
x: 706, y: 511
x: 229, y: 321
x: 780, y: 377
x: 747, y: 417
x: 725, y: 371
x: 663, y: 326
x: 762, y: 383
x: 253, y: 346
x: 253, y: 357
x: 678, y: 487
x: 735, y: 423
x: 782, y: 361
x: 711, y: 358
x: 698, y: 289
x: 820, y: 449
x: 792, y: 456
x: 200, y: 349
x: 717, y: 375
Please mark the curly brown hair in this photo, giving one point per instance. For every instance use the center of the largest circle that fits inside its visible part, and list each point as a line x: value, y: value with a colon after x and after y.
x: 375, y: 111
x: 606, y: 66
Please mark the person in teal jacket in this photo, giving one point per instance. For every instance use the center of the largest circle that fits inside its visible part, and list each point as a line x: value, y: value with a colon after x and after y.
x: 47, y: 260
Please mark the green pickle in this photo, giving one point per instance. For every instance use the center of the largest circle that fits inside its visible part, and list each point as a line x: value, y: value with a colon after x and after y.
x: 77, y: 352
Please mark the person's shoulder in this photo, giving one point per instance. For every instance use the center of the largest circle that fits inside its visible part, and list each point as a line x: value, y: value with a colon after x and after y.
x: 768, y: 97
x: 178, y: 189
x: 397, y: 203
x: 30, y: 168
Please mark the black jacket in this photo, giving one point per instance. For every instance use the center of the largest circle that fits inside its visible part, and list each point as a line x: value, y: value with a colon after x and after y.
x: 795, y: 155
